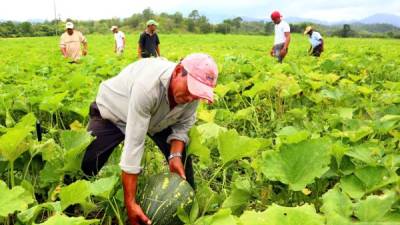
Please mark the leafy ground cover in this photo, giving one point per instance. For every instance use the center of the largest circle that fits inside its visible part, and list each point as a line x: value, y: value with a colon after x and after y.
x: 310, y: 141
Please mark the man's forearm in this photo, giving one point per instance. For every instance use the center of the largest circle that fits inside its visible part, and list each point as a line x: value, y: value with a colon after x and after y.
x: 177, y: 146
x: 287, y: 42
x: 129, y: 183
x: 64, y: 51
x: 158, y: 51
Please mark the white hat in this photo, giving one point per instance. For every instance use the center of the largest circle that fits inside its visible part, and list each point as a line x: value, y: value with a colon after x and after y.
x: 69, y: 25
x: 113, y: 28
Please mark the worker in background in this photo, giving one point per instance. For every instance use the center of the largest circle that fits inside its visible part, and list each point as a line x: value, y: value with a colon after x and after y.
x: 282, y: 37
x: 149, y: 43
x: 316, y: 41
x: 70, y: 43
x: 119, y: 38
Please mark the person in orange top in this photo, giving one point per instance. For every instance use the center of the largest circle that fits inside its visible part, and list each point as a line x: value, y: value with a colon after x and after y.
x: 70, y: 43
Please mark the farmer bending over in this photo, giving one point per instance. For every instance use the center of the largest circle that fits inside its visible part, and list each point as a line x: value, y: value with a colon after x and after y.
x: 155, y: 97
x: 316, y: 41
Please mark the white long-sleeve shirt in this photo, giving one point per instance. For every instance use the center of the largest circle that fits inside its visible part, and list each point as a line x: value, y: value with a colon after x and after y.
x: 136, y: 101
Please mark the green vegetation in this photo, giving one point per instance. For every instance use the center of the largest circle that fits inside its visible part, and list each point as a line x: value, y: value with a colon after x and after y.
x: 193, y: 23
x: 310, y: 141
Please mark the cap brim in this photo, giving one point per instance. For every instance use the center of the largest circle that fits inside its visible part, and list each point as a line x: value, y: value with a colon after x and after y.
x: 199, y: 89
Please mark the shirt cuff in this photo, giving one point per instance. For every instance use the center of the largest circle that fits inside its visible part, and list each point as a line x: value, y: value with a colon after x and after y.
x: 178, y: 136
x: 131, y: 169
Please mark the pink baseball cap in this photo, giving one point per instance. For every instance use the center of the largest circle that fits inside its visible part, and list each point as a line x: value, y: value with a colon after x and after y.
x: 202, y: 75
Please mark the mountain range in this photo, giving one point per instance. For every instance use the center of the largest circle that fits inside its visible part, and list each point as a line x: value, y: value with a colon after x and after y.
x: 380, y: 18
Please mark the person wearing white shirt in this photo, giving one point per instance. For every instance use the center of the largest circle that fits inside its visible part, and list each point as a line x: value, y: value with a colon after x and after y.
x: 282, y: 37
x: 316, y: 41
x: 119, y: 37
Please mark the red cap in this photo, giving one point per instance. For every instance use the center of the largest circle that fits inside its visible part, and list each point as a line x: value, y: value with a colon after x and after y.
x: 275, y: 15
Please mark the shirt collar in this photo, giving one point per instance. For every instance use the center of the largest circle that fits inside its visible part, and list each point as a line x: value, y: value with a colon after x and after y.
x: 166, y: 79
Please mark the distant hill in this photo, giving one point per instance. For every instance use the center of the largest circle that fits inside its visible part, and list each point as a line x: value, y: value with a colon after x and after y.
x: 380, y: 18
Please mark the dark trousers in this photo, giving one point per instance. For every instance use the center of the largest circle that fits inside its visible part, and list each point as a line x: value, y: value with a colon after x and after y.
x: 108, y: 136
x: 316, y: 51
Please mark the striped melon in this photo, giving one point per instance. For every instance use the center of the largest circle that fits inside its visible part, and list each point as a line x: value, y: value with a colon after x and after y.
x: 162, y: 195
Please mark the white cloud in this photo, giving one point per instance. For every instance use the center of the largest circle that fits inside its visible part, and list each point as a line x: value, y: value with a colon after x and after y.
x: 331, y: 10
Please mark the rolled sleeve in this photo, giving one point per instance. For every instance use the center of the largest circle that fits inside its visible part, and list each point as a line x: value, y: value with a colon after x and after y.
x: 137, y: 125
x: 181, y: 128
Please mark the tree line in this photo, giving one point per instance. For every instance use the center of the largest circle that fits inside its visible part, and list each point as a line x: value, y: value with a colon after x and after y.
x: 193, y: 23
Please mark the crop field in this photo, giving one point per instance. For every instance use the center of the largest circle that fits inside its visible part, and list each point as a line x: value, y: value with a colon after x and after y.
x: 312, y: 141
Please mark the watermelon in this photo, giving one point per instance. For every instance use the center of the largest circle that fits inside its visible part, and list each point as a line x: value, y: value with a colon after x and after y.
x: 163, y: 195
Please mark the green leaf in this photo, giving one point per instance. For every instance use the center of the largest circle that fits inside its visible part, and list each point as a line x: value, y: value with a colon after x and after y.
x: 292, y: 135
x: 103, y: 187
x: 222, y: 217
x: 15, y: 199
x: 210, y: 130
x: 253, y: 218
x: 196, y: 146
x: 346, y: 113
x: 76, y: 193
x: 29, y: 215
x: 366, y: 180
x: 239, y: 196
x: 374, y: 207
x: 63, y: 220
x: 369, y: 154
x: 279, y: 215
x: 14, y: 142
x: 75, y: 143
x: 52, y: 102
x: 297, y: 164
x: 336, y: 203
x: 232, y: 146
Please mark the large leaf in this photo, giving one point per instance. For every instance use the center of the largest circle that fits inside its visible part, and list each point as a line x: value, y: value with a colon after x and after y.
x: 76, y: 193
x: 103, y: 187
x: 232, y: 146
x: 75, y: 143
x: 291, y: 135
x: 30, y: 215
x: 279, y: 215
x: 366, y: 180
x: 196, y: 146
x: 297, y: 164
x: 373, y: 208
x: 337, y: 206
x: 52, y: 102
x: 14, y: 143
x: 16, y: 199
x: 239, y: 196
x: 64, y: 220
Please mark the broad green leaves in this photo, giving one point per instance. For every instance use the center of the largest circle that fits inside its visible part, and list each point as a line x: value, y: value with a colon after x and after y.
x: 74, y: 142
x: 14, y: 142
x: 76, y: 193
x: 16, y: 199
x: 232, y: 146
x: 373, y: 208
x: 63, y: 220
x: 279, y: 215
x: 297, y: 164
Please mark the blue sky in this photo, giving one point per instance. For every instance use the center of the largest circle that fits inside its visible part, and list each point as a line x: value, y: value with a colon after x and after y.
x: 327, y: 10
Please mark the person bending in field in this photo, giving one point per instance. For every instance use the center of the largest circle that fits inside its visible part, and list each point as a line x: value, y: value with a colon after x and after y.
x: 316, y: 41
x: 119, y: 38
x: 282, y: 37
x: 149, y: 43
x: 71, y: 41
x: 151, y: 96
